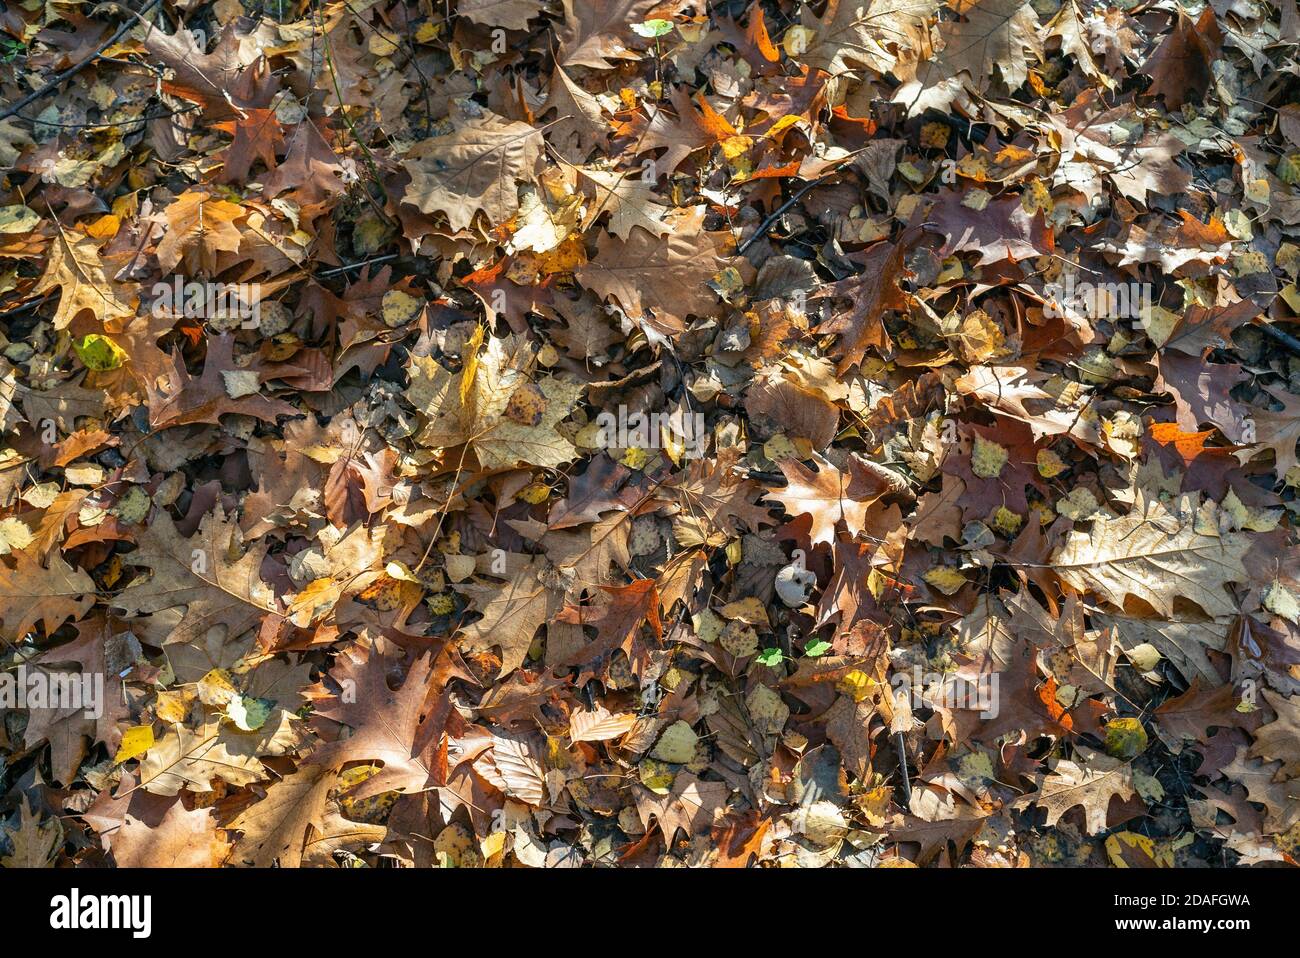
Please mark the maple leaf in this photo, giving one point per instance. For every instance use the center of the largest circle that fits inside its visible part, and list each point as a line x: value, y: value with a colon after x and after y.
x: 493, y: 405
x: 199, y: 228
x: 829, y: 495
x: 475, y: 168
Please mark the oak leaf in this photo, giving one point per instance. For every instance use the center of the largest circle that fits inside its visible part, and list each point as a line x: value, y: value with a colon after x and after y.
x: 511, y: 615
x: 1092, y: 785
x: 197, y: 584
x: 593, y: 30
x: 192, y: 759
x: 1280, y: 739
x: 275, y: 829
x: 645, y: 273
x: 1155, y: 555
x: 389, y: 726
x: 475, y: 168
x: 176, y: 398
x: 77, y: 270
x: 44, y: 596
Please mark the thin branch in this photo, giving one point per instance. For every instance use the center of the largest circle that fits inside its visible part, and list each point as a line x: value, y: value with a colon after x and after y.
x: 76, y: 68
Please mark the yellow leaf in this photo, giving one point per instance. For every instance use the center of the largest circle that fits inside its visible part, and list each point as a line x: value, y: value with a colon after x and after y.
x: 1116, y: 843
x: 18, y: 219
x: 946, y: 579
x: 1125, y: 738
x: 987, y: 458
x: 399, y: 308
x: 857, y: 685
x: 135, y: 742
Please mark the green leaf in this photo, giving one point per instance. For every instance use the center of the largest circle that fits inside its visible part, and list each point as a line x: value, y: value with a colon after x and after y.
x: 770, y: 657
x: 99, y: 352
x: 652, y: 28
x: 814, y: 649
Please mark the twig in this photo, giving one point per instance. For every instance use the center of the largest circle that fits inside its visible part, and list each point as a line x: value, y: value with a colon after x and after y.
x: 1285, y: 339
x: 776, y: 214
x: 900, y: 743
x: 76, y: 68
x: 18, y: 310
x: 635, y: 374
x: 350, y: 266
